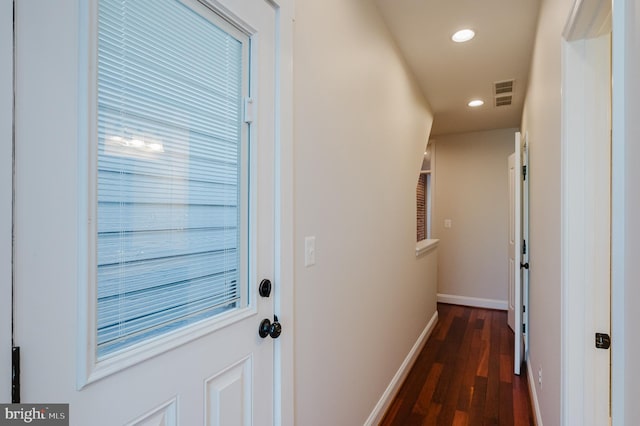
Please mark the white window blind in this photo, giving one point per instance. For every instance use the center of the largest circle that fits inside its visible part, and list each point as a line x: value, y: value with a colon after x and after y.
x: 170, y: 155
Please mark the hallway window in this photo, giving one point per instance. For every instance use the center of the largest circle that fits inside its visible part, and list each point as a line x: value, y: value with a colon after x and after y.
x: 172, y: 166
x: 423, y: 197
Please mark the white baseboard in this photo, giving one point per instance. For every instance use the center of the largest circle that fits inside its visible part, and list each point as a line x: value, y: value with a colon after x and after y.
x: 537, y: 416
x: 476, y: 302
x: 387, y: 397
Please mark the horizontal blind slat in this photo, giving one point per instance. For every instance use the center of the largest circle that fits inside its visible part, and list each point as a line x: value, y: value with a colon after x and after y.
x: 160, y: 272
x: 128, y: 217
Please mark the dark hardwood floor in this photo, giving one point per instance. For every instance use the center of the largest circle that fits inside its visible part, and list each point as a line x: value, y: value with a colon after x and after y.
x: 464, y: 375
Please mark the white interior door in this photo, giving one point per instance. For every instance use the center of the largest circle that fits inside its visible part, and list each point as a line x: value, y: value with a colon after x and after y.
x: 127, y: 203
x: 514, y: 315
x: 524, y: 269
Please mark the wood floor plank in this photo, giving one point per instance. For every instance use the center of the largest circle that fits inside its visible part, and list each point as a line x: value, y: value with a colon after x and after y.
x: 464, y: 375
x: 431, y: 419
x: 410, y: 390
x: 445, y: 317
x: 476, y: 410
x: 492, y: 405
x: 506, y: 404
x: 522, y: 410
x: 458, y: 364
x: 485, y: 338
x: 465, y: 394
x: 461, y: 418
x: 506, y: 368
x: 426, y: 394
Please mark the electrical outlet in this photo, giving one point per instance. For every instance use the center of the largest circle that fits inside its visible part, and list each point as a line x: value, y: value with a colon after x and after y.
x: 447, y: 223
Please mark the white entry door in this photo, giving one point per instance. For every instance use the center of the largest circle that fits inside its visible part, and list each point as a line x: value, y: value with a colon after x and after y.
x: 514, y: 314
x: 144, y: 209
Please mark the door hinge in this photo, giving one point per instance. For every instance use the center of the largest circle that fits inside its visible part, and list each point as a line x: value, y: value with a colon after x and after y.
x: 15, y: 375
x: 524, y: 328
x: 524, y: 308
x: 524, y: 246
x: 524, y: 172
x: 249, y: 110
x: 603, y: 341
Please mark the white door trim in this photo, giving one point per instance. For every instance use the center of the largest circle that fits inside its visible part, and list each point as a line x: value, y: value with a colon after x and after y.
x: 585, y: 242
x: 6, y: 195
x: 284, y: 396
x: 618, y: 183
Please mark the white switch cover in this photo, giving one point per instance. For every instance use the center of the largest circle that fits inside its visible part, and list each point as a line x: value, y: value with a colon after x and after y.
x: 447, y: 223
x: 309, y: 251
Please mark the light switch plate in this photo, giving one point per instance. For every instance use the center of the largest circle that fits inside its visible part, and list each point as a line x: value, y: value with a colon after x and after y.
x: 447, y: 223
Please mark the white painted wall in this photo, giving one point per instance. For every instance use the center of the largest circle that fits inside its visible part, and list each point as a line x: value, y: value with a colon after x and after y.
x: 472, y: 190
x: 541, y: 118
x: 361, y: 127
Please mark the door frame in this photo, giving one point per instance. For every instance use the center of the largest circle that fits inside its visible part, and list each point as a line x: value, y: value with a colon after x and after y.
x: 6, y: 195
x: 284, y: 395
x: 582, y: 174
x: 515, y: 274
x: 619, y: 181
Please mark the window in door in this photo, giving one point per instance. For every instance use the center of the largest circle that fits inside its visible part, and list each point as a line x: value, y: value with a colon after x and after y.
x: 172, y: 170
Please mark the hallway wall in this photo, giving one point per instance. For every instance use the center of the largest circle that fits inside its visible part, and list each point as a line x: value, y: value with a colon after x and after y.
x: 361, y: 127
x: 541, y: 118
x: 471, y: 189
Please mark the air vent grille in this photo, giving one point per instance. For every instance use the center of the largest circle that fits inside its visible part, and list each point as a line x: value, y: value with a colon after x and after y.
x: 504, y: 87
x: 503, y: 92
x: 503, y: 100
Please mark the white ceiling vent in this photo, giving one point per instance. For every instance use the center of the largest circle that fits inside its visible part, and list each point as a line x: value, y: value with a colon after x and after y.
x: 504, y: 100
x: 503, y: 92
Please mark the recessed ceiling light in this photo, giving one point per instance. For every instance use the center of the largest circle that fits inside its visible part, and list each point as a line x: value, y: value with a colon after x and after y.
x: 463, y: 35
x: 476, y: 103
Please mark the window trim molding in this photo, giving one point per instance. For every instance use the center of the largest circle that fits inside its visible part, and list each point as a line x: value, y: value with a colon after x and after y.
x: 429, y: 193
x: 89, y: 368
x: 425, y: 246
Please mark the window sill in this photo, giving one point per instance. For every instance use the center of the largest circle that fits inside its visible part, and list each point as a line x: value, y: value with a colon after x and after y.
x: 425, y: 246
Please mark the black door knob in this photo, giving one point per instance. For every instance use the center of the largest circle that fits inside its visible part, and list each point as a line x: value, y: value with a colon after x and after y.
x: 268, y: 328
x: 276, y: 329
x: 263, y: 329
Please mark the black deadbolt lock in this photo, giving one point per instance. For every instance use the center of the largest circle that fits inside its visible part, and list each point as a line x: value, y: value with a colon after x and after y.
x: 264, y: 288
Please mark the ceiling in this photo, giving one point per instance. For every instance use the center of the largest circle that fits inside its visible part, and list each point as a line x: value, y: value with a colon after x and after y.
x: 451, y: 74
